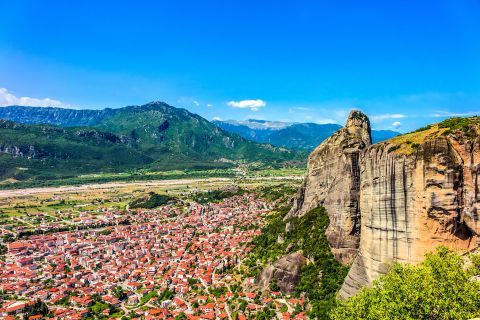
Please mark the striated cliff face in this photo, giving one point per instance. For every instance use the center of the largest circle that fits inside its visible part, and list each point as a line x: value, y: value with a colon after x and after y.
x: 412, y: 203
x: 333, y: 181
x: 414, y: 193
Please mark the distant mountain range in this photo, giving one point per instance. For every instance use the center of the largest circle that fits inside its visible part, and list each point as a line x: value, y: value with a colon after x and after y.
x: 303, y: 136
x: 48, y: 143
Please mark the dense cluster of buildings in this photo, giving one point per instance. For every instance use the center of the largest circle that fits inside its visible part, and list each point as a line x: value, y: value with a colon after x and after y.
x: 169, y: 262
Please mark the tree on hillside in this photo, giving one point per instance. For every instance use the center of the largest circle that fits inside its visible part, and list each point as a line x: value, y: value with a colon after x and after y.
x: 37, y: 308
x: 441, y: 287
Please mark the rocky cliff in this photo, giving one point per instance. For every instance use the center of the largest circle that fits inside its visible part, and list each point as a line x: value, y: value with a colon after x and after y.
x: 333, y: 181
x: 396, y: 200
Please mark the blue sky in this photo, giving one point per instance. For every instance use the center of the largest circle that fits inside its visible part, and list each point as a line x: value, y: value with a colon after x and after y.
x: 406, y: 63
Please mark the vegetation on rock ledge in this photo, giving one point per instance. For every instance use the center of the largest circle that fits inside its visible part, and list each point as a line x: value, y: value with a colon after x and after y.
x: 323, y: 276
x: 409, y: 143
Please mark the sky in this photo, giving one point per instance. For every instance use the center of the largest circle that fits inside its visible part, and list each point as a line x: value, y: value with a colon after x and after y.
x: 405, y: 63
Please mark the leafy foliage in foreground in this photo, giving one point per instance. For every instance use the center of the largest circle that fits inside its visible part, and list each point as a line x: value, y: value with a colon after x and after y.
x: 441, y: 287
x: 319, y: 280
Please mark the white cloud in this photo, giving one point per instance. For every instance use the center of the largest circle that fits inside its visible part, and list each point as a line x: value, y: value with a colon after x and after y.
x: 209, y: 105
x: 253, y: 105
x: 325, y: 121
x: 9, y: 99
x: 387, y: 116
x: 302, y: 109
x: 396, y: 124
x: 381, y: 117
x: 317, y: 114
x: 446, y: 114
x: 196, y: 103
x: 217, y: 118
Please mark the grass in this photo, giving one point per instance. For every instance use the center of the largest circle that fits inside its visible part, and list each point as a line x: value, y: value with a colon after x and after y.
x: 146, y: 298
x: 469, y: 126
x: 121, y: 177
x: 409, y: 143
x: 276, y: 172
x: 148, y: 175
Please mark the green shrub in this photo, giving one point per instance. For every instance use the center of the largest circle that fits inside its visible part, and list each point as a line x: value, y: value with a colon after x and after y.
x: 319, y: 280
x: 423, y: 128
x: 393, y: 148
x: 216, y: 195
x: 438, y: 288
x: 465, y: 125
x: 151, y: 201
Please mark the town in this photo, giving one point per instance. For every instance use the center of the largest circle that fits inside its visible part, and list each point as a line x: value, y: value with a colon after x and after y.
x: 172, y: 262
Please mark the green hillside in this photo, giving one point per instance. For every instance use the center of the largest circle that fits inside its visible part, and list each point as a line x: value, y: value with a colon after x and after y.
x: 172, y: 135
x: 154, y: 136
x: 47, y: 152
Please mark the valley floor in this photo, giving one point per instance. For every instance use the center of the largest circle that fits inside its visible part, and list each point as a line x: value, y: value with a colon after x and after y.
x: 82, y: 253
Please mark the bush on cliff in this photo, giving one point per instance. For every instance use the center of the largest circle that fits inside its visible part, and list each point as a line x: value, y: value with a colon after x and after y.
x: 441, y: 287
x: 322, y: 277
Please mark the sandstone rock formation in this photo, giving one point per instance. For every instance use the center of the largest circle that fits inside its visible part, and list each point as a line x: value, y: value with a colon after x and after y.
x: 286, y: 272
x: 333, y: 181
x: 398, y: 199
x: 412, y: 203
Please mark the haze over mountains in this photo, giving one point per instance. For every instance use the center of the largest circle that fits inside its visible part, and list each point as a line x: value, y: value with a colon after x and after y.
x: 54, y: 142
x: 292, y: 135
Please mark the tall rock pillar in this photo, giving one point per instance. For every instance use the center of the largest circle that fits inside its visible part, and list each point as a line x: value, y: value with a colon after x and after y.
x: 333, y: 181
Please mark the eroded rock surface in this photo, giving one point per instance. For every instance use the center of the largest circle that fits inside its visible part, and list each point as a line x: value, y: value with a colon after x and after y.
x: 286, y: 272
x: 333, y: 181
x: 393, y: 205
x: 411, y: 204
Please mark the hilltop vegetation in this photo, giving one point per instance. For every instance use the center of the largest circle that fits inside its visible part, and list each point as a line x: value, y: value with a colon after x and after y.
x: 469, y: 126
x: 409, y: 142
x: 216, y: 195
x: 150, y: 201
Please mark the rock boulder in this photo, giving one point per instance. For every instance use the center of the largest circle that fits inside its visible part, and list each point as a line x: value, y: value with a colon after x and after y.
x: 285, y: 271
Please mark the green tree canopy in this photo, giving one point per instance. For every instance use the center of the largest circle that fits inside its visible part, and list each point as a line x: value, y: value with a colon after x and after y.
x: 441, y: 287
